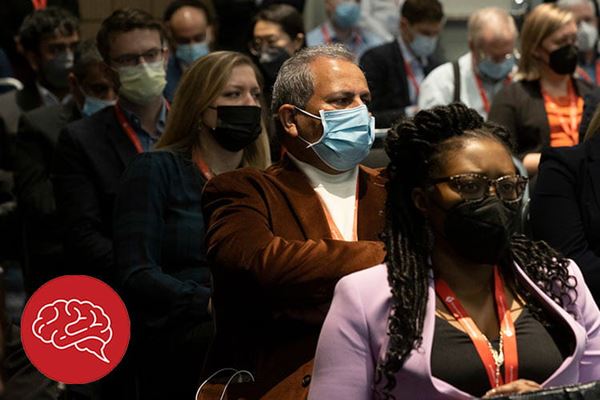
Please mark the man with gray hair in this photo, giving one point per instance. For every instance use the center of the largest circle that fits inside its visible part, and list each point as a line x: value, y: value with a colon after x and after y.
x: 280, y: 239
x: 587, y: 37
x: 477, y: 76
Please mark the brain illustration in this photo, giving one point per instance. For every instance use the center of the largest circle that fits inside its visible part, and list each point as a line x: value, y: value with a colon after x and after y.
x: 74, y: 323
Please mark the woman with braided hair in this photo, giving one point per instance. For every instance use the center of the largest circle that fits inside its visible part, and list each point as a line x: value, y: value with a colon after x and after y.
x: 459, y: 310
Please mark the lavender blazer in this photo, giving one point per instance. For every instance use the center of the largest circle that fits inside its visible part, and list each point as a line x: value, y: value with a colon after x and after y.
x: 354, y: 338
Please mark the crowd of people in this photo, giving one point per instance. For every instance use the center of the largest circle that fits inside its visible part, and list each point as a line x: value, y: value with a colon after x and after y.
x: 209, y: 167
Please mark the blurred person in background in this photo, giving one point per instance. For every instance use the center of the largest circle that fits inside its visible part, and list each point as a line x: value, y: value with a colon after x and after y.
x: 395, y: 70
x: 477, y: 76
x: 191, y: 25
x: 342, y: 26
x: 544, y: 107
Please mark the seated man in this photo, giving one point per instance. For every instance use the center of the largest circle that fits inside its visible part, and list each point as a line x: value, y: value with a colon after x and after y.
x: 191, y: 25
x: 281, y: 238
x: 342, y: 26
x: 396, y: 69
x: 91, y: 87
x: 483, y: 71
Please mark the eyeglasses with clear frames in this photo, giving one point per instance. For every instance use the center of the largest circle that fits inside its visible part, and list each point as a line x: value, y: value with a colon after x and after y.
x: 131, y: 60
x: 470, y: 187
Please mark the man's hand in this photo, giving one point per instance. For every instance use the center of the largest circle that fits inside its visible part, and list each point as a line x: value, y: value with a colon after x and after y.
x: 518, y: 386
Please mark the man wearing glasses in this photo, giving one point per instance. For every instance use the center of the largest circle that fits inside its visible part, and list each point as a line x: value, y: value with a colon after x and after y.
x: 92, y: 153
x: 477, y: 76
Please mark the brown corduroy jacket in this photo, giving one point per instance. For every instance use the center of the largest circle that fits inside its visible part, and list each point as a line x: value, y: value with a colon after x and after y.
x: 275, y: 266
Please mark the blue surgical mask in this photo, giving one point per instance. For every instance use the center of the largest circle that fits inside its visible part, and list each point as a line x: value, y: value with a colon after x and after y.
x: 423, y: 45
x: 347, y: 14
x: 92, y: 105
x: 496, y: 71
x: 348, y: 135
x: 188, y: 53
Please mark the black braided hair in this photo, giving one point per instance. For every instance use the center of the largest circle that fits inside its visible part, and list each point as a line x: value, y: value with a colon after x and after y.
x: 415, y: 147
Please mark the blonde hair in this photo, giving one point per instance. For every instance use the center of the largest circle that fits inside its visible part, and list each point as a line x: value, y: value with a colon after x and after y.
x: 543, y: 21
x: 495, y: 19
x: 200, y: 86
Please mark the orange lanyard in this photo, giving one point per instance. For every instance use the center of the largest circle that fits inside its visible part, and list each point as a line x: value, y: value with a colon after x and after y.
x: 483, y: 94
x: 336, y: 234
x: 129, y: 131
x: 411, y: 77
x: 39, y: 4
x: 511, y: 359
x: 570, y: 129
x: 202, y: 165
x: 327, y: 37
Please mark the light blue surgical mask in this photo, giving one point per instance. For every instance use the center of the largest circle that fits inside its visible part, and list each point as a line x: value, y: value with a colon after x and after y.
x: 347, y: 14
x: 92, y: 105
x: 423, y: 45
x: 188, y: 53
x: 348, y: 135
x: 496, y: 71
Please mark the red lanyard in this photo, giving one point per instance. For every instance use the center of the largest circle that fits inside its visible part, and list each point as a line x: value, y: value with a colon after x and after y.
x: 202, y: 165
x: 570, y: 129
x: 133, y: 137
x: 336, y: 234
x: 39, y: 4
x: 327, y: 37
x: 507, y: 326
x: 411, y: 77
x: 483, y: 94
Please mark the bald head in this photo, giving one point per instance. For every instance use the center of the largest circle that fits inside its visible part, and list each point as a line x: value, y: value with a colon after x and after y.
x: 490, y: 23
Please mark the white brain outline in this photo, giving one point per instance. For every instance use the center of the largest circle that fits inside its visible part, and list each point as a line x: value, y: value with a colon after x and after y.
x: 74, y: 323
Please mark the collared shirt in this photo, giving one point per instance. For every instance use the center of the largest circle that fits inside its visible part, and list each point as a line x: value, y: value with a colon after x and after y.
x: 360, y: 41
x: 416, y: 64
x: 49, y: 99
x: 148, y: 139
x: 438, y: 88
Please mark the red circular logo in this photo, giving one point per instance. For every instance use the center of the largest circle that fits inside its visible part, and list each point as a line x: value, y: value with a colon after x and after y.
x: 75, y: 329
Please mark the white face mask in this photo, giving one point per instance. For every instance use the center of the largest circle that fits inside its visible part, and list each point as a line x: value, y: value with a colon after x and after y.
x: 142, y: 83
x: 587, y: 35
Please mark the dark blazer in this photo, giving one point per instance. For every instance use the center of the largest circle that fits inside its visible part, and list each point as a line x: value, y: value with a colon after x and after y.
x: 90, y: 157
x: 36, y: 141
x: 520, y: 108
x: 275, y: 266
x: 565, y: 206
x: 384, y: 68
x: 174, y: 73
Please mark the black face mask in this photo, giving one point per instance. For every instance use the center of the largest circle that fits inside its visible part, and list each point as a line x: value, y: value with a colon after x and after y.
x: 237, y: 126
x: 270, y: 63
x: 480, y: 230
x: 563, y: 60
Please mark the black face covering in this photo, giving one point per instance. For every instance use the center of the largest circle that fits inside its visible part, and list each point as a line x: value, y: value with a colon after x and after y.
x: 237, y: 126
x: 270, y: 62
x: 480, y: 230
x: 563, y: 60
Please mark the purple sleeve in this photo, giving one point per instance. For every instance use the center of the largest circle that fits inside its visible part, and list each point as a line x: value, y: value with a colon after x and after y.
x: 589, y: 318
x: 344, y: 367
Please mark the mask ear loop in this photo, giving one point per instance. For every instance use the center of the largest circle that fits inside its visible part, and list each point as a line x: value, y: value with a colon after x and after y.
x: 309, y: 144
x: 242, y: 371
x: 212, y: 376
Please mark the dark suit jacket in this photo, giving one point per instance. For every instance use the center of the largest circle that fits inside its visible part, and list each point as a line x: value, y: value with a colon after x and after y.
x: 520, y: 108
x: 276, y: 265
x: 384, y: 68
x: 565, y: 206
x: 90, y: 157
x: 36, y: 141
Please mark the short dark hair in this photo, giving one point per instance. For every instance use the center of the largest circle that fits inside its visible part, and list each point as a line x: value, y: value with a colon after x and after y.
x: 284, y: 15
x: 125, y: 20
x: 416, y: 11
x: 86, y: 55
x: 175, y: 5
x: 46, y: 23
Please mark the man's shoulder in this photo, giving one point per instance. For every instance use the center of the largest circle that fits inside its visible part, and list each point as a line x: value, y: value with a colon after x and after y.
x: 92, y: 127
x: 384, y: 50
x: 248, y: 175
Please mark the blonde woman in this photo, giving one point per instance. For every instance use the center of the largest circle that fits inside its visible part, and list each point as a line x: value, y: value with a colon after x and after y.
x: 544, y: 107
x: 215, y: 125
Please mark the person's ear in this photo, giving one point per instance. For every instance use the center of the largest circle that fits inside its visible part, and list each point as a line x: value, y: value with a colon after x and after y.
x: 420, y: 200
x: 287, y: 117
x: 33, y: 59
x: 297, y: 42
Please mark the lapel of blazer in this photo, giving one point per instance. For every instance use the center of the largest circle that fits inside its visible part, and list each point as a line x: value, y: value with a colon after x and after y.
x: 118, y: 138
x: 302, y: 200
x: 398, y: 66
x: 371, y: 201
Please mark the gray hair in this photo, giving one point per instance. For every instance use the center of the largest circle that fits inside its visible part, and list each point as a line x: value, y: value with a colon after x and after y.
x: 494, y: 18
x: 295, y: 81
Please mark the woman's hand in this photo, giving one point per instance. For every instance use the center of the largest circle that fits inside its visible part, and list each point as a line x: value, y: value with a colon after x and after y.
x: 518, y: 386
